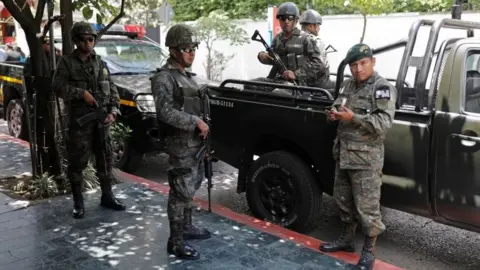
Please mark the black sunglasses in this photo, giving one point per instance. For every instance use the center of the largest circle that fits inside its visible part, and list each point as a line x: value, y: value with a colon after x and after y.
x: 189, y: 50
x: 286, y: 18
x: 83, y: 39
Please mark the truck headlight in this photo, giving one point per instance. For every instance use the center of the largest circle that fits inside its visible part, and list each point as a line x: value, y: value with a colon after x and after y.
x: 145, y: 103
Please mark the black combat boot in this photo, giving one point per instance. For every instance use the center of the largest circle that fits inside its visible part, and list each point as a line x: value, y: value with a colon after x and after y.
x: 78, y: 206
x: 190, y: 231
x: 176, y: 244
x: 367, y: 259
x: 108, y: 200
x: 346, y: 241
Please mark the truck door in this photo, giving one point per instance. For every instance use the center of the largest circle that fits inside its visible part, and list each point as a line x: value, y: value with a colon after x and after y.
x: 457, y: 141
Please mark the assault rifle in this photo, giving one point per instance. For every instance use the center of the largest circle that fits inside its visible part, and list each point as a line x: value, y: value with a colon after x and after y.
x: 258, y: 37
x: 205, y: 151
x: 98, y: 115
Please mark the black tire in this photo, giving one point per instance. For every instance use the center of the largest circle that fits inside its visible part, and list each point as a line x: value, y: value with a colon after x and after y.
x: 16, y: 119
x: 296, y: 181
x: 125, y: 157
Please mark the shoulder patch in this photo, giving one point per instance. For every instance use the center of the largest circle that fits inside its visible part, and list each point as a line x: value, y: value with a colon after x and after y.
x: 382, y: 92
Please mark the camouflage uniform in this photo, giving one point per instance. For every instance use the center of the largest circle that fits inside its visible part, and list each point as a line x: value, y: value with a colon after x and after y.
x: 359, y: 156
x: 323, y: 79
x: 72, y: 78
x: 299, y: 53
x: 178, y: 109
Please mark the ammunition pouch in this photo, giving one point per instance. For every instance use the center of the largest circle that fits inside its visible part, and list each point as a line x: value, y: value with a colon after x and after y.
x: 104, y: 87
x: 301, y: 61
x: 191, y: 101
x: 295, y: 52
x: 292, y: 61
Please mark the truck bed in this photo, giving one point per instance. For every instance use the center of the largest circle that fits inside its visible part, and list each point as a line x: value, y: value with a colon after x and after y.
x: 247, y: 123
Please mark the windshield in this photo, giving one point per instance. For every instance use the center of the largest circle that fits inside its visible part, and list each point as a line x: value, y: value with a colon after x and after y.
x: 130, y: 57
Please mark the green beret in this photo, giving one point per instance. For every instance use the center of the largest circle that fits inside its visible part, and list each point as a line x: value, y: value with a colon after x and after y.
x: 358, y: 52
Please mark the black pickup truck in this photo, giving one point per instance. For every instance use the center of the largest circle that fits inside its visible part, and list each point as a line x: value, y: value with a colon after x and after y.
x: 131, y: 62
x: 282, y: 144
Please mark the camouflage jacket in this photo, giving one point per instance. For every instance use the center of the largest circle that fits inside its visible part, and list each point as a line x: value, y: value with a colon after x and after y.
x: 74, y: 76
x: 323, y: 51
x: 306, y: 72
x: 324, y: 73
x: 178, y: 126
x: 359, y: 142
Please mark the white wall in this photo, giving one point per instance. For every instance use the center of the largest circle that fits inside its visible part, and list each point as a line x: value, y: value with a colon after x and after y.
x: 342, y: 32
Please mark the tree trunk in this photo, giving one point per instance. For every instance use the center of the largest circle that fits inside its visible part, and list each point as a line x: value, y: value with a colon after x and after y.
x: 66, y: 9
x: 364, y: 27
x: 209, y: 62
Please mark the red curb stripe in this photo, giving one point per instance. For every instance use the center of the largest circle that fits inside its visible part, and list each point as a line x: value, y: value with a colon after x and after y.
x: 9, y: 138
x: 261, y: 225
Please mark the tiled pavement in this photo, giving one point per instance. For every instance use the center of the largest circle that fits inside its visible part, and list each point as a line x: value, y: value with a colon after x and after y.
x: 14, y: 157
x: 44, y: 236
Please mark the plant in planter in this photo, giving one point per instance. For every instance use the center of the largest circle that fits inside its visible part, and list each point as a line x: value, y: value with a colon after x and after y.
x: 44, y: 186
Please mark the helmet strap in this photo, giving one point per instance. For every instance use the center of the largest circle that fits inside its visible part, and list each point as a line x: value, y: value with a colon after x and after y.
x: 178, y: 57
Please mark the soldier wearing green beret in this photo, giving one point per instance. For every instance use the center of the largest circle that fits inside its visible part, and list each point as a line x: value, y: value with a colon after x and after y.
x: 365, y: 110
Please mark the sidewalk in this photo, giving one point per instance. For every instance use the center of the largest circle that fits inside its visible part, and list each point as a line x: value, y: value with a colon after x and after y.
x: 45, y: 236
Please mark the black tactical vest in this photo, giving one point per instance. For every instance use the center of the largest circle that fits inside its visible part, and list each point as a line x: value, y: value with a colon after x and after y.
x: 185, y: 98
x: 292, y: 51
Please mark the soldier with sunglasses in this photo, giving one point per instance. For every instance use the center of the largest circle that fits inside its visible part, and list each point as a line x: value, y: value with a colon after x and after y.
x: 297, y: 49
x: 177, y: 103
x: 80, y: 77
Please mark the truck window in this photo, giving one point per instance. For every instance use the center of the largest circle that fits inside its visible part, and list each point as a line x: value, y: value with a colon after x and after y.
x: 472, y: 83
x: 127, y: 56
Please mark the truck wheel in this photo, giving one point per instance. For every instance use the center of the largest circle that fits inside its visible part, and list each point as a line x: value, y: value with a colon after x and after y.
x: 282, y: 189
x: 125, y: 157
x: 16, y: 120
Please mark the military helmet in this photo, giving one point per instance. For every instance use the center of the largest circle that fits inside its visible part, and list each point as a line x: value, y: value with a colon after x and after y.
x: 82, y: 28
x: 310, y: 16
x: 288, y: 9
x: 181, y: 34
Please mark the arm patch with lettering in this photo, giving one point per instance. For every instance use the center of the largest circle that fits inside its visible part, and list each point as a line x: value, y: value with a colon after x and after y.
x: 383, y: 92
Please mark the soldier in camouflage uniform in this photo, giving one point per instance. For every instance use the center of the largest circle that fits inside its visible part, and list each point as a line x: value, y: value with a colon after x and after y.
x: 311, y: 22
x: 365, y: 109
x: 80, y: 78
x: 297, y: 49
x: 178, y: 109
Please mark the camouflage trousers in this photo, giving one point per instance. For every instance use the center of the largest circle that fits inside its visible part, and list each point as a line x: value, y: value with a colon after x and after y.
x: 81, y: 143
x: 357, y: 193
x: 184, y: 177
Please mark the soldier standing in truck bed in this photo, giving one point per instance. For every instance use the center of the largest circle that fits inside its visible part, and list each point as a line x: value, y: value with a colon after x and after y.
x: 311, y: 22
x: 297, y: 49
x: 177, y: 103
x: 79, y: 77
x: 365, y: 109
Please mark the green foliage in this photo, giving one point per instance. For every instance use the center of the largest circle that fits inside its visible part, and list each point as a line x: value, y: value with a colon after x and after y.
x: 369, y: 7
x: 103, y: 8
x: 45, y: 186
x: 142, y: 12
x: 119, y: 131
x: 190, y: 10
x: 215, y: 27
x: 42, y: 187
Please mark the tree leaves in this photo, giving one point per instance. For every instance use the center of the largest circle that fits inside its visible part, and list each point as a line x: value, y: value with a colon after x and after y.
x: 215, y: 27
x: 87, y: 12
